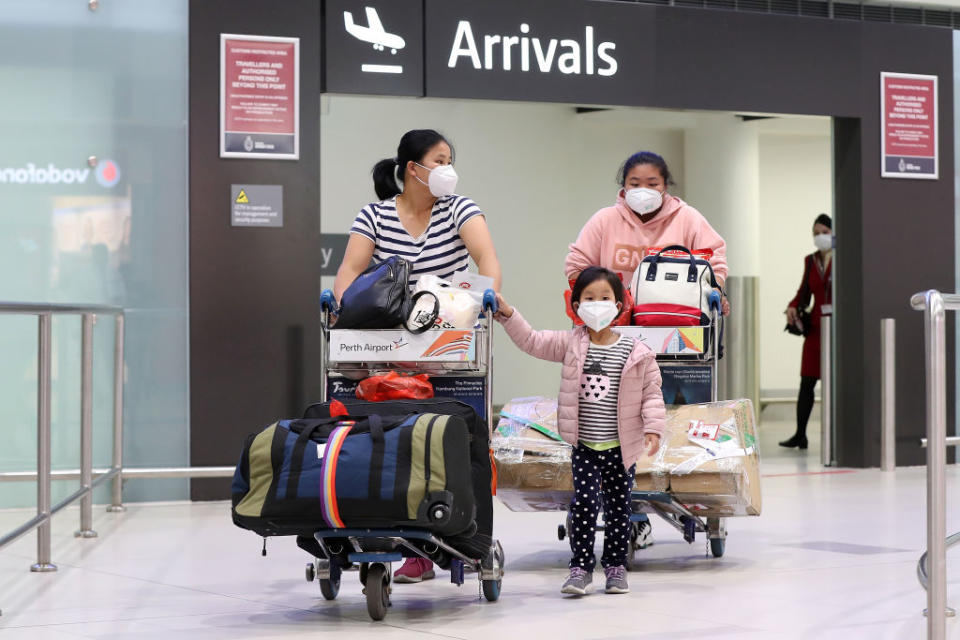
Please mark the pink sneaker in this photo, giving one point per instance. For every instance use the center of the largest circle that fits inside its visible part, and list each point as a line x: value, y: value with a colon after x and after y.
x: 414, y: 570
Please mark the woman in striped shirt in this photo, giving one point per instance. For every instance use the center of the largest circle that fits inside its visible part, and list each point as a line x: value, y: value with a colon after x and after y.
x: 422, y: 221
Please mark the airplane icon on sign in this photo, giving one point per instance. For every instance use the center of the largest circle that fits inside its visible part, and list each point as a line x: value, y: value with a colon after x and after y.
x: 374, y: 33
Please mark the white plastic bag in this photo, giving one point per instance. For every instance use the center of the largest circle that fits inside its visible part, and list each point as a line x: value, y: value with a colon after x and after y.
x: 458, y: 308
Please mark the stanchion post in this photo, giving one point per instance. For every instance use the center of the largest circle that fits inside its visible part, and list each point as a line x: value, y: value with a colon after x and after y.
x: 116, y: 501
x: 44, y: 462
x: 86, y: 426
x: 827, y: 457
x: 888, y: 395
x: 934, y: 322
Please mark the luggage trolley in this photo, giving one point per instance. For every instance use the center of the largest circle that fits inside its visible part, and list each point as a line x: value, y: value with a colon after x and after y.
x: 692, y: 349
x: 459, y: 361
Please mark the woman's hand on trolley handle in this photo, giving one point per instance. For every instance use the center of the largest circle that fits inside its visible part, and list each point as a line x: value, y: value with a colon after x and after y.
x: 504, y: 310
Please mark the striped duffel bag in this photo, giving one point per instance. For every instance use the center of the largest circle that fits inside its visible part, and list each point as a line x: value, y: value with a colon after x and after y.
x: 300, y: 476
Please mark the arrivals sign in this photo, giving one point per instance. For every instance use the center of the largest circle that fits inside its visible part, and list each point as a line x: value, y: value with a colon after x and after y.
x: 559, y: 51
x: 259, y: 97
x: 374, y: 47
x: 908, y: 130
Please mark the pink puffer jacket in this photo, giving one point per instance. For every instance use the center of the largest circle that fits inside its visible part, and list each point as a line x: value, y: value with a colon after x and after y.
x: 640, y: 402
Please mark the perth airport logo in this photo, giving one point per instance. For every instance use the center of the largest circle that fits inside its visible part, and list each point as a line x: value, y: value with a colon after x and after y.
x: 106, y: 173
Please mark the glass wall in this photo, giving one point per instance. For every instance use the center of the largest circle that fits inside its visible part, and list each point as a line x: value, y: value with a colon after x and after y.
x: 109, y: 84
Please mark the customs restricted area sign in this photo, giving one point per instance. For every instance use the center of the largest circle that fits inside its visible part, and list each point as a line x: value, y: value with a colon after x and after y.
x: 259, y: 97
x: 908, y: 129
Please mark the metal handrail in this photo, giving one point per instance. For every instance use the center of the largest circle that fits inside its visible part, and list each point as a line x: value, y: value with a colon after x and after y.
x: 934, y: 306
x: 44, y: 475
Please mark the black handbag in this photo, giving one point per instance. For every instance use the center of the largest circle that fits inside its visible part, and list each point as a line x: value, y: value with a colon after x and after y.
x: 802, y: 325
x: 378, y: 297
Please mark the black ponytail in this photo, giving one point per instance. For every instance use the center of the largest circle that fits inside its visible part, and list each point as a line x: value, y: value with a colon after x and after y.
x: 384, y: 180
x: 414, y: 145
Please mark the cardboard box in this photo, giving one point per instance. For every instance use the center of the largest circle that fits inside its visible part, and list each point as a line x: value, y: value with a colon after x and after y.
x: 708, y: 460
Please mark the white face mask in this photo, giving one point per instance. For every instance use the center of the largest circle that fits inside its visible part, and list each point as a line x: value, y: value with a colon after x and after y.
x: 644, y: 200
x: 823, y: 241
x: 442, y: 180
x: 598, y: 314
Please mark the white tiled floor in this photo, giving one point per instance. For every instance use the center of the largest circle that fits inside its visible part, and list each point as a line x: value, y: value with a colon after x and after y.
x: 833, y: 556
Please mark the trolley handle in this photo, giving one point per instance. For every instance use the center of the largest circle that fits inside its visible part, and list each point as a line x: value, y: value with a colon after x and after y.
x: 328, y: 306
x: 715, y: 301
x: 490, y: 301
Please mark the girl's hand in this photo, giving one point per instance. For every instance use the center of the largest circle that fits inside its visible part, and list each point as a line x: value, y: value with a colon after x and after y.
x: 724, y: 303
x: 651, y: 443
x: 791, y: 315
x: 504, y: 310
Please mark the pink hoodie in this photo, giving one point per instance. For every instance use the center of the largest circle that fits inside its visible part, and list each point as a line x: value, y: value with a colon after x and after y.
x: 640, y: 406
x: 615, y: 238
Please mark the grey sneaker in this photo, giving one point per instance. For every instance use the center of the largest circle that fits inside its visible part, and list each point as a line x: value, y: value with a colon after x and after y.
x: 616, y: 579
x: 578, y: 583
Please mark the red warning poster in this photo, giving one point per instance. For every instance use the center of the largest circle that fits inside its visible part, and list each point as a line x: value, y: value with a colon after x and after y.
x: 908, y: 129
x: 259, y: 97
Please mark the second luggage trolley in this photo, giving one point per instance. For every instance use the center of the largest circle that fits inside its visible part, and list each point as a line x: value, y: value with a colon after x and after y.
x: 459, y: 362
x: 694, y: 353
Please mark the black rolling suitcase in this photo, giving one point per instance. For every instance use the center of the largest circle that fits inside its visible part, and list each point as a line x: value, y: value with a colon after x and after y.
x: 371, y: 471
x: 480, y: 470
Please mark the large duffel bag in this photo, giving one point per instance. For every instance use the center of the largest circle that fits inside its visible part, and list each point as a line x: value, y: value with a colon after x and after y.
x: 479, y: 443
x: 299, y: 476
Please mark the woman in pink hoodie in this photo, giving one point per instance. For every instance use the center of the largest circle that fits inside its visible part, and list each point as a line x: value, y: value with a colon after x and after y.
x: 610, y: 409
x: 644, y: 216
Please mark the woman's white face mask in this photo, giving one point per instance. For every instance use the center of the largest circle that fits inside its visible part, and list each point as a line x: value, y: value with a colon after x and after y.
x: 598, y: 314
x: 442, y: 180
x: 823, y: 241
x: 643, y: 200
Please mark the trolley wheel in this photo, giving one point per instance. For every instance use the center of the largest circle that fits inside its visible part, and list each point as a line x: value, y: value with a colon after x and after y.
x: 330, y: 588
x: 717, y: 547
x: 310, y: 572
x: 561, y: 532
x: 491, y: 588
x: 377, y: 591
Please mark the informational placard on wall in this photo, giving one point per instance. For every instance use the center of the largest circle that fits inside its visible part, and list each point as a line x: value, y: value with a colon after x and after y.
x: 908, y: 129
x: 259, y: 97
x: 256, y: 205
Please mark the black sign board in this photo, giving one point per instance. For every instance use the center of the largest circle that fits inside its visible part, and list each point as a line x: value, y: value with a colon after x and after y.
x: 556, y: 50
x: 374, y: 47
x: 332, y: 248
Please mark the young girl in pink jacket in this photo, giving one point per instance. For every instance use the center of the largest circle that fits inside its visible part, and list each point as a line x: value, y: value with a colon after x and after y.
x: 610, y: 409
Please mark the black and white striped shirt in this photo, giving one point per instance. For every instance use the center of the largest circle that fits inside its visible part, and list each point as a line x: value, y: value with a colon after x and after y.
x: 599, y: 389
x: 439, y: 250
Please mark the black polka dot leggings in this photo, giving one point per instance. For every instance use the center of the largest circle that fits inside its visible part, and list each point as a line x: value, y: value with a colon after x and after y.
x: 599, y: 478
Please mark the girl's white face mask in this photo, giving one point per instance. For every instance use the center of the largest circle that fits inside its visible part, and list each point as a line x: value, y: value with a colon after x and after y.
x: 442, y: 180
x: 644, y: 200
x: 598, y: 314
x: 823, y: 241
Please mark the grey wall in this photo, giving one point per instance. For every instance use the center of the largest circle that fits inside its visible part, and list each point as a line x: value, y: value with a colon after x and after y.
x: 253, y: 291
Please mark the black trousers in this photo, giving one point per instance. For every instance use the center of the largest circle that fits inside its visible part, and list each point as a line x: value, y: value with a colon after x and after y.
x: 599, y: 478
x: 805, y: 403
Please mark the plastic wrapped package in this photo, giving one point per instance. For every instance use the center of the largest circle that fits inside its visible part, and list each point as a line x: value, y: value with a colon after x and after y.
x: 708, y: 460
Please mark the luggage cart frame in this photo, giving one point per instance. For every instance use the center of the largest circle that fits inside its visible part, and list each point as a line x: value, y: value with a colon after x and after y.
x: 374, y: 550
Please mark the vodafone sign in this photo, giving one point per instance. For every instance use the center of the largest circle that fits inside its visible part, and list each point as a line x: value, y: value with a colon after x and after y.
x: 107, y: 174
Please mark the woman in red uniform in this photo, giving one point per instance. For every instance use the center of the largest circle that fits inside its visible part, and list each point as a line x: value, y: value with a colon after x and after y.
x: 817, y: 271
